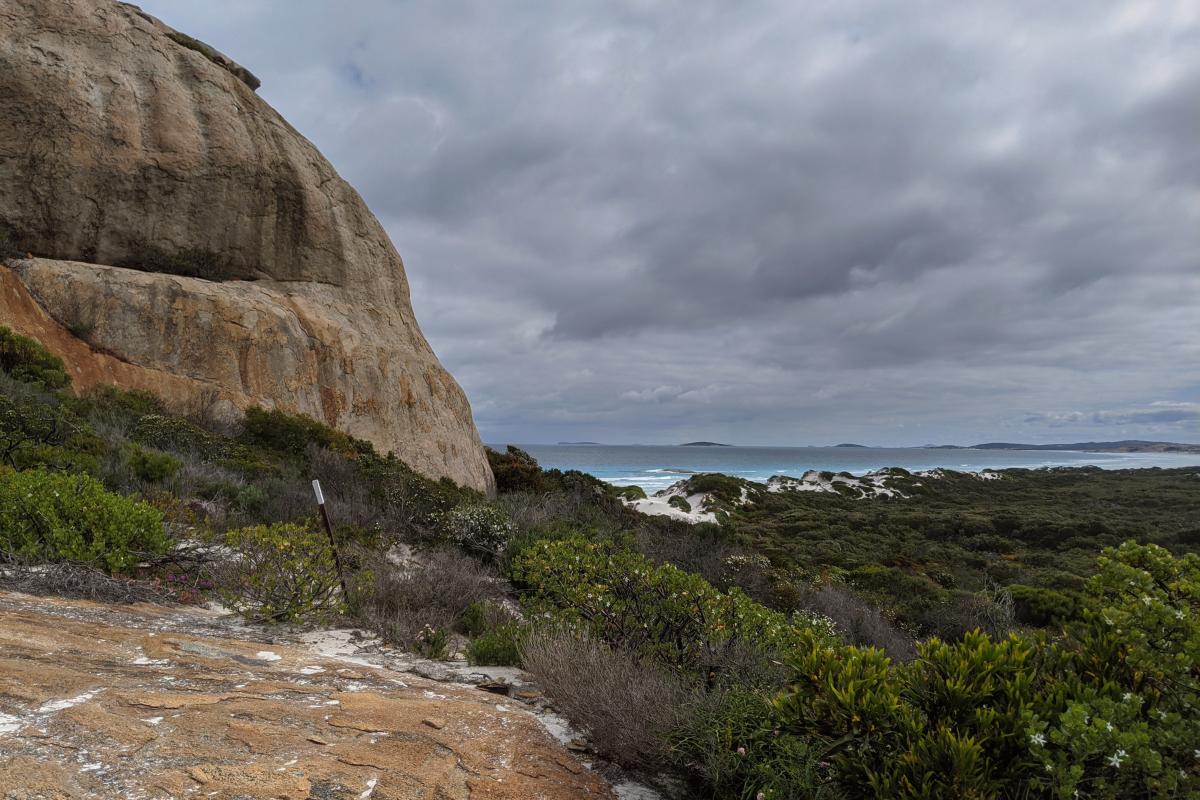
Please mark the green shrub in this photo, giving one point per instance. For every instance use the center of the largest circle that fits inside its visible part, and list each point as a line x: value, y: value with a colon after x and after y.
x: 37, y: 430
x: 499, y: 646
x: 729, y: 740
x: 152, y: 466
x: 283, y: 573
x: 409, y: 499
x: 679, y: 502
x: 516, y: 471
x: 433, y: 643
x: 1035, y: 605
x: 630, y: 492
x: 1111, y: 710
x: 166, y: 432
x: 292, y: 434
x: 660, y: 611
x: 477, y: 528
x: 26, y: 360
x: 125, y: 406
x: 724, y: 488
x: 47, y: 516
x: 249, y: 499
x: 481, y: 616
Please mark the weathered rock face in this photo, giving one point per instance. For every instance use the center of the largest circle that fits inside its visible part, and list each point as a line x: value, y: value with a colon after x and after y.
x: 187, y: 232
x: 105, y: 701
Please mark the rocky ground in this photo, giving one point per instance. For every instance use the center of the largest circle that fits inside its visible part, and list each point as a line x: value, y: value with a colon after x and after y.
x: 100, y: 701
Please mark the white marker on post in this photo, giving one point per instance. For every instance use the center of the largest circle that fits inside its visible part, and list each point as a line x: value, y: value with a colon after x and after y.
x: 337, y: 560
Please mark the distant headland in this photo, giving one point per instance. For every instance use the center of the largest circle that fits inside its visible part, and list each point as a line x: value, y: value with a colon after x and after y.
x: 1123, y: 446
x: 704, y: 444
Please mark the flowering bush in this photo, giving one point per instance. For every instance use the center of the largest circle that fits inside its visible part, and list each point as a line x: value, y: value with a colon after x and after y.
x: 284, y: 573
x: 626, y: 599
x: 433, y: 643
x: 52, y: 516
x: 479, y: 528
x: 1110, y: 710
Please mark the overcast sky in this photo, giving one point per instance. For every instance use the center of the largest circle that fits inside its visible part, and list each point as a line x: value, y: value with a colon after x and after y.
x: 771, y: 222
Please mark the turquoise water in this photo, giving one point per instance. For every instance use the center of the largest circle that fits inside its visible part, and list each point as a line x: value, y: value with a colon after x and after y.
x: 655, y: 467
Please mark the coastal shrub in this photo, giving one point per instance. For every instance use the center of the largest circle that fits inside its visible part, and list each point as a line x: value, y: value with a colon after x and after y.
x: 409, y: 503
x: 36, y: 429
x: 50, y: 516
x: 910, y: 556
x: 730, y: 742
x: 291, y: 434
x: 990, y: 610
x: 431, y: 588
x: 283, y: 572
x: 709, y: 551
x: 516, y: 471
x: 724, y: 488
x: 1111, y: 710
x: 627, y: 705
x: 857, y: 621
x: 630, y: 493
x: 432, y: 643
x: 113, y: 413
x: 483, y: 615
x: 152, y: 466
x: 654, y: 610
x: 166, y: 432
x: 1035, y: 605
x: 477, y: 528
x: 497, y: 646
x: 27, y: 360
x: 675, y: 501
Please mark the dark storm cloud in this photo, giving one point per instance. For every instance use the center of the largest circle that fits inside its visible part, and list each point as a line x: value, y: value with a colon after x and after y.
x: 771, y: 221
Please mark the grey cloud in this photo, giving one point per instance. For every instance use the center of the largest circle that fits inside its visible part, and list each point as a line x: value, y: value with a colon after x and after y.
x: 770, y: 221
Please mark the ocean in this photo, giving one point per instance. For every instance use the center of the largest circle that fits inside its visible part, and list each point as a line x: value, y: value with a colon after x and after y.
x: 655, y: 467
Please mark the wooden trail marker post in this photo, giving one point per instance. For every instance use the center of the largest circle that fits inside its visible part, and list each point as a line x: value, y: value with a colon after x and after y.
x: 337, y: 560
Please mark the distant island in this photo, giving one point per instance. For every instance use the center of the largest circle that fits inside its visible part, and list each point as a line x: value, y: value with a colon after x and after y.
x: 1123, y: 446
x: 704, y: 444
x: 580, y: 443
x: 850, y: 444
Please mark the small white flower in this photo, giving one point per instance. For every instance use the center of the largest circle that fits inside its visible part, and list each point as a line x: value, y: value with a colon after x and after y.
x: 1049, y: 768
x: 1038, y: 739
x: 1116, y: 758
x: 1162, y: 715
x: 741, y: 751
x: 1146, y: 600
x: 1127, y: 696
x: 1108, y: 726
x: 1179, y: 613
x: 1108, y: 621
